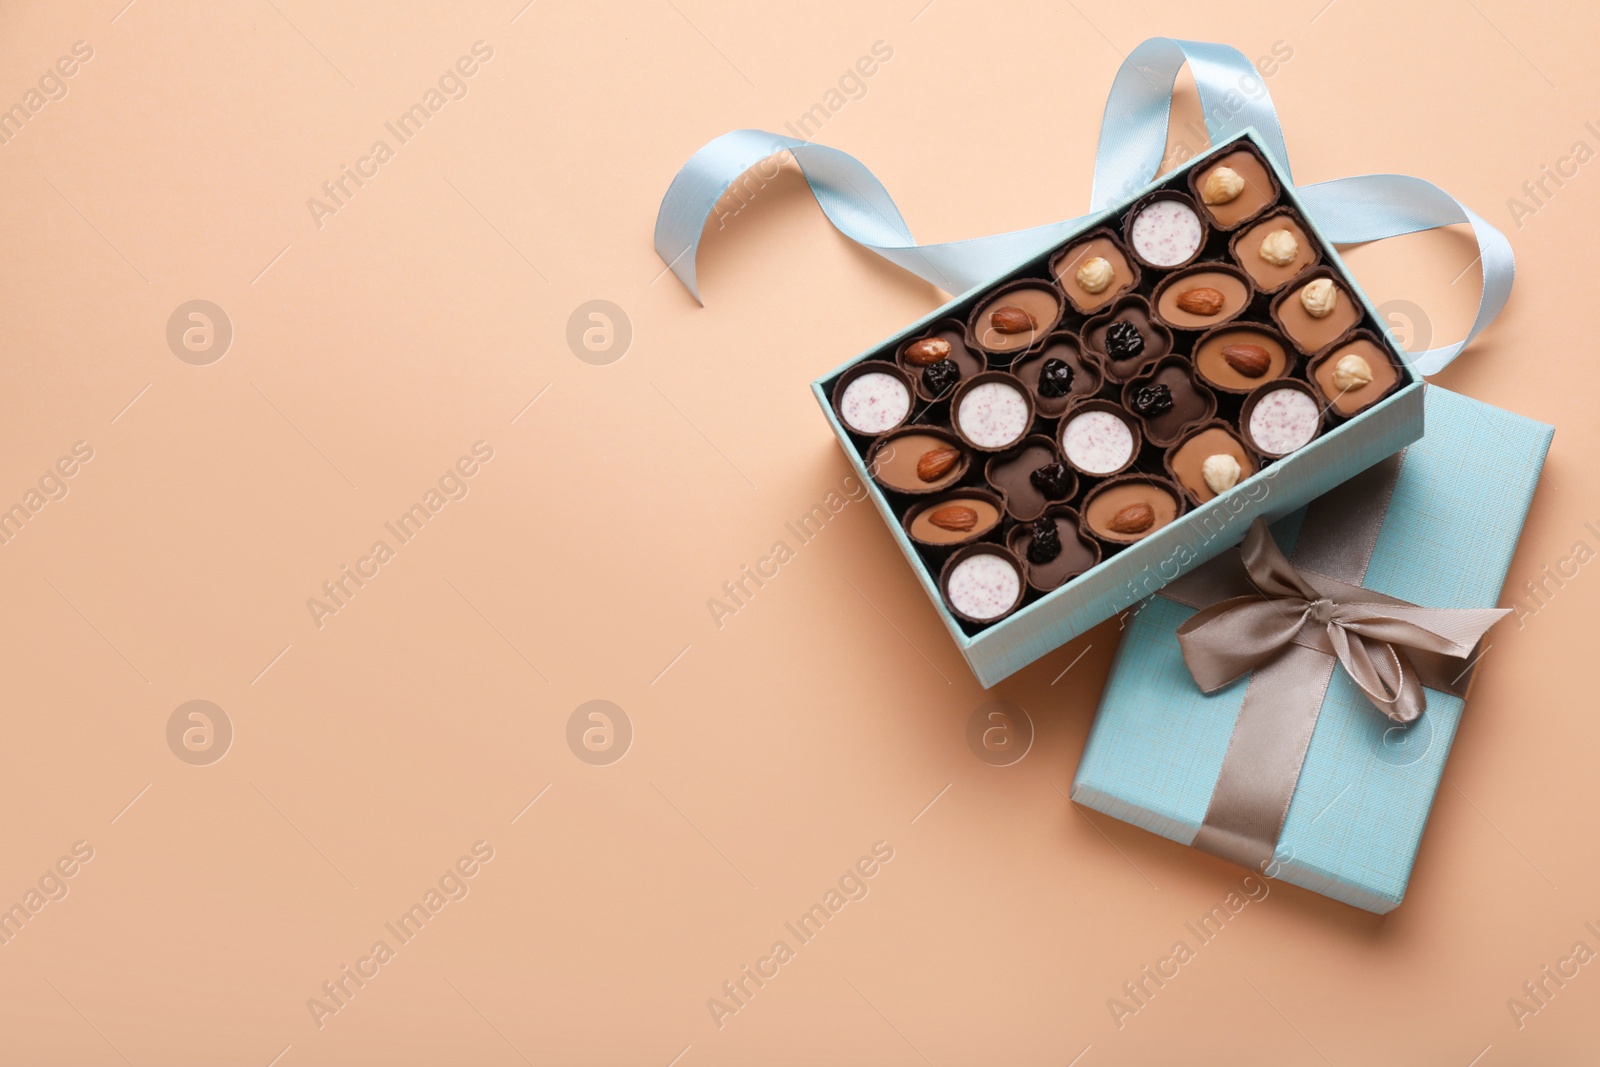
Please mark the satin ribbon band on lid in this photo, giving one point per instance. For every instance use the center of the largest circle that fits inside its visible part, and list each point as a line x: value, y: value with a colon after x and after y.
x: 1286, y: 625
x: 1133, y: 138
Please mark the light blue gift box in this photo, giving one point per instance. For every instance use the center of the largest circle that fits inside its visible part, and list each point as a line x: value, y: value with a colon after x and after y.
x: 1139, y: 570
x: 1367, y: 785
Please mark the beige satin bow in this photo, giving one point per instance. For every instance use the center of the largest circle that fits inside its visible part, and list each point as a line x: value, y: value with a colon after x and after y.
x: 1390, y: 649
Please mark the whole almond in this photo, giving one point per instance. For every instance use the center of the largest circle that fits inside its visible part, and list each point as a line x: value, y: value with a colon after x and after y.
x: 1201, y: 301
x: 928, y: 350
x: 936, y: 463
x: 959, y: 519
x: 1252, y: 361
x: 1135, y: 518
x: 1010, y: 319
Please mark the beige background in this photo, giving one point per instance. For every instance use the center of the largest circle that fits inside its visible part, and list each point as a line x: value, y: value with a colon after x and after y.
x: 830, y: 713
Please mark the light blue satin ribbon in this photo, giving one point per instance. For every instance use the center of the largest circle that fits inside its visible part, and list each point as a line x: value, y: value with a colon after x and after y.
x: 1133, y: 139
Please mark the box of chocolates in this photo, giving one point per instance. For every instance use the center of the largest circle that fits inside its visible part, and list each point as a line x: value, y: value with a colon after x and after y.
x: 1057, y: 444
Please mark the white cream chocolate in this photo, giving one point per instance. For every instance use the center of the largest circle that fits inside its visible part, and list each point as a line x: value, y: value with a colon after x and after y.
x: 983, y: 586
x: 993, y: 414
x: 1283, y: 420
x: 874, y: 403
x: 1165, y: 232
x: 1097, y: 442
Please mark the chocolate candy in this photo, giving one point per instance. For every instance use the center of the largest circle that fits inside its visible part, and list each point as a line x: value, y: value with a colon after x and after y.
x: 1054, y: 480
x: 1011, y: 475
x: 1150, y: 400
x: 982, y: 583
x: 1045, y: 543
x: 1124, y: 341
x: 941, y: 376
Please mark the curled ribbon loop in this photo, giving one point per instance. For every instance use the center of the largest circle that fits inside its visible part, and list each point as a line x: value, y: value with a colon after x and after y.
x: 1369, y: 634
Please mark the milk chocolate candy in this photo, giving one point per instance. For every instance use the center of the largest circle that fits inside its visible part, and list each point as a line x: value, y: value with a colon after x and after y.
x: 1203, y: 296
x: 1086, y: 285
x: 1240, y: 356
x: 1186, y: 401
x: 1064, y: 346
x: 1130, y: 508
x: 954, y: 518
x: 1186, y: 460
x: 899, y: 460
x: 982, y: 584
x: 1125, y: 338
x: 1014, y: 317
x: 1077, y: 553
x: 1310, y: 332
x: 1257, y: 188
x: 1364, y: 355
x: 1280, y: 232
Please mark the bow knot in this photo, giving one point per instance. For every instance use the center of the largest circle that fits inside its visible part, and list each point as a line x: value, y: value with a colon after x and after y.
x: 1380, y: 641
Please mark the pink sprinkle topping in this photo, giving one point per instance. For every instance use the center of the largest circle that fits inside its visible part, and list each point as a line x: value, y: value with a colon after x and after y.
x: 874, y: 403
x: 1166, y: 232
x: 1283, y: 420
x: 993, y: 414
x: 1097, y: 442
x: 983, y: 586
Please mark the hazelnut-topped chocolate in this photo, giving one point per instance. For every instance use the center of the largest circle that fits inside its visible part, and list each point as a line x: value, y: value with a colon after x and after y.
x: 1052, y: 548
x: 1281, y: 417
x: 992, y: 411
x: 962, y: 516
x: 1130, y: 508
x: 1202, y: 297
x: 1209, y: 460
x: 1239, y: 357
x: 1355, y: 374
x: 946, y: 342
x: 1168, y: 400
x: 1094, y: 272
x: 918, y: 459
x: 1164, y: 230
x: 1030, y: 478
x: 1315, y: 310
x: 1233, y: 187
x: 1014, y: 317
x: 872, y: 397
x: 1126, y: 338
x: 1273, y: 250
x: 1059, y: 362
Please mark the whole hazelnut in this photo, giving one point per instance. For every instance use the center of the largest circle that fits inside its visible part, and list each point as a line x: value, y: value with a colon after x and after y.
x: 1319, y: 297
x: 1221, y: 186
x: 1095, y: 275
x: 1351, y: 372
x: 1279, y: 248
x: 1221, y: 472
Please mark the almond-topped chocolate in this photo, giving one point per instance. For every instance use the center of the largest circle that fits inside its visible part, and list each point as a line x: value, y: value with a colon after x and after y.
x: 1273, y: 250
x: 1125, y: 338
x: 1060, y: 348
x: 918, y: 460
x: 1093, y: 272
x: 1015, y: 476
x: 1202, y: 296
x: 1168, y: 400
x: 954, y: 519
x: 1315, y: 310
x: 1355, y: 373
x: 1130, y: 508
x: 1238, y: 357
x: 1234, y: 187
x: 1014, y: 317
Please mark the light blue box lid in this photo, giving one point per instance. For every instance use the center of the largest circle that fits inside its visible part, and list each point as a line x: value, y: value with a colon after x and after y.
x: 1367, y: 785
